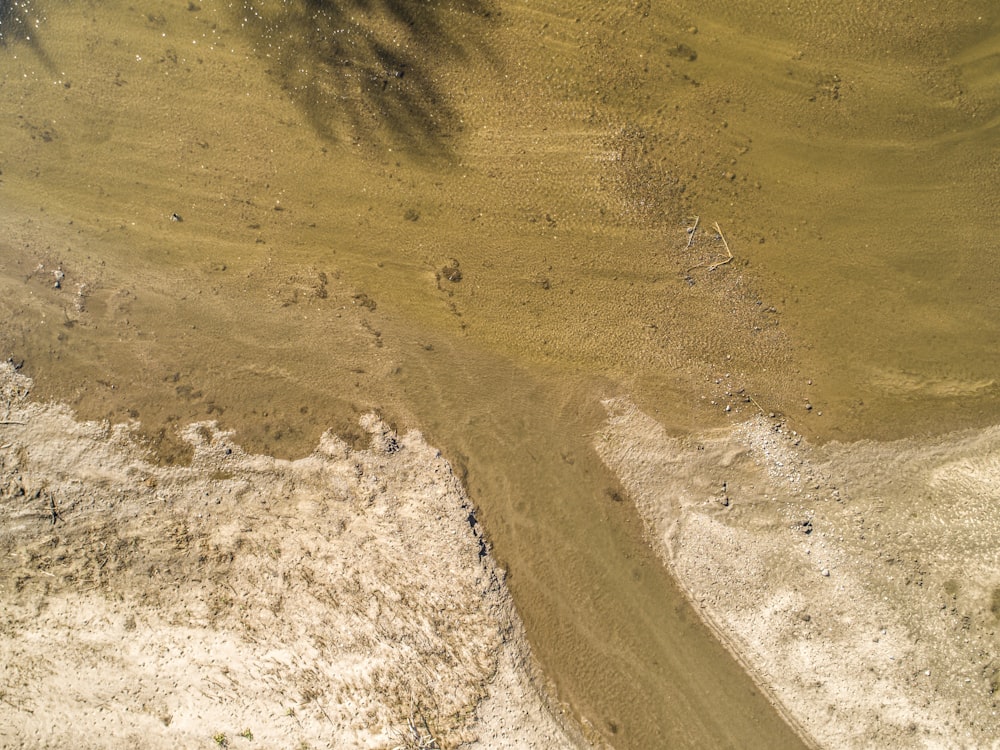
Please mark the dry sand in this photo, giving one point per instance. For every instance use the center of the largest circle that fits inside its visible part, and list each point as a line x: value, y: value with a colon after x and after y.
x: 346, y: 599
x: 860, y: 583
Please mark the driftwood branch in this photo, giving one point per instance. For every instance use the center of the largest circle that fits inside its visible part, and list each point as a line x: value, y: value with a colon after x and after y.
x: 725, y: 244
x: 692, y: 229
x: 711, y: 266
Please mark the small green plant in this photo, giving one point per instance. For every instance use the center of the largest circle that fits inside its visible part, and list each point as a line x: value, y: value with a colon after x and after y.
x: 246, y: 734
x: 220, y: 739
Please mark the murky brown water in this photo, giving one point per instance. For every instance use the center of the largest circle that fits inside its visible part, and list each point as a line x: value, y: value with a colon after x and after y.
x: 473, y: 218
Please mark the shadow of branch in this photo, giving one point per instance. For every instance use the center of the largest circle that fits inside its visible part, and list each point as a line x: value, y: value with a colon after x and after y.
x: 363, y: 71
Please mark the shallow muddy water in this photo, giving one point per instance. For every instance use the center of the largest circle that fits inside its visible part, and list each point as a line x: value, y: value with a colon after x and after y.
x: 474, y: 218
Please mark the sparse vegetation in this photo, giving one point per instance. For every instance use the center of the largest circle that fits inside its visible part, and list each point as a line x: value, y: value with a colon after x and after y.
x: 362, y: 636
x: 418, y: 734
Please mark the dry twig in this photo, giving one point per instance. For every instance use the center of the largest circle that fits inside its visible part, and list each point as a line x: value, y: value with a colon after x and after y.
x: 711, y: 266
x: 422, y: 738
x: 726, y: 245
x: 692, y: 229
x: 52, y: 509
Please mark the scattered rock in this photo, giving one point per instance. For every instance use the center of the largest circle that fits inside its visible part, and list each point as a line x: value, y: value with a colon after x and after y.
x: 452, y: 272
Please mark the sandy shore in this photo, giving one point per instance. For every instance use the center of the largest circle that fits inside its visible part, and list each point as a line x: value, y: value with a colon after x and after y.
x: 346, y: 599
x: 860, y: 583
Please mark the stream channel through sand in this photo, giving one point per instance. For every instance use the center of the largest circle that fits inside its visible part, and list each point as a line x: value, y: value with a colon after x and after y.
x: 474, y: 217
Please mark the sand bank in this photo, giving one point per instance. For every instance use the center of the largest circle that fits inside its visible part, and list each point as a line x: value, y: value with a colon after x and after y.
x: 346, y: 599
x: 860, y: 583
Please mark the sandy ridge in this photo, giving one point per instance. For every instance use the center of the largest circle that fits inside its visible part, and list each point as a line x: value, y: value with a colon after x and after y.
x: 345, y: 599
x: 858, y: 583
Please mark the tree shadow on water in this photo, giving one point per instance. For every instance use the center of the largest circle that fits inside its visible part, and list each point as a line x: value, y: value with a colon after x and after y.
x: 18, y: 26
x: 12, y: 22
x: 364, y: 71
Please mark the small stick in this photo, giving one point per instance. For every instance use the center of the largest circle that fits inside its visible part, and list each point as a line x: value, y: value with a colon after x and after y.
x: 52, y: 509
x: 756, y: 404
x: 728, y: 251
x: 430, y: 734
x: 323, y: 711
x: 11, y: 421
x: 692, y: 230
x: 3, y: 697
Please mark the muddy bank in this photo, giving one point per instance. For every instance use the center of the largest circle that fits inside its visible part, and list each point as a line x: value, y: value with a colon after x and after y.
x: 858, y: 582
x: 345, y: 599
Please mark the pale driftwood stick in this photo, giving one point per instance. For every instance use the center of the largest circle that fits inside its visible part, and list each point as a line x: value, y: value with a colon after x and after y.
x: 692, y: 230
x: 726, y: 245
x: 756, y: 404
x: 712, y: 266
x: 723, y: 238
